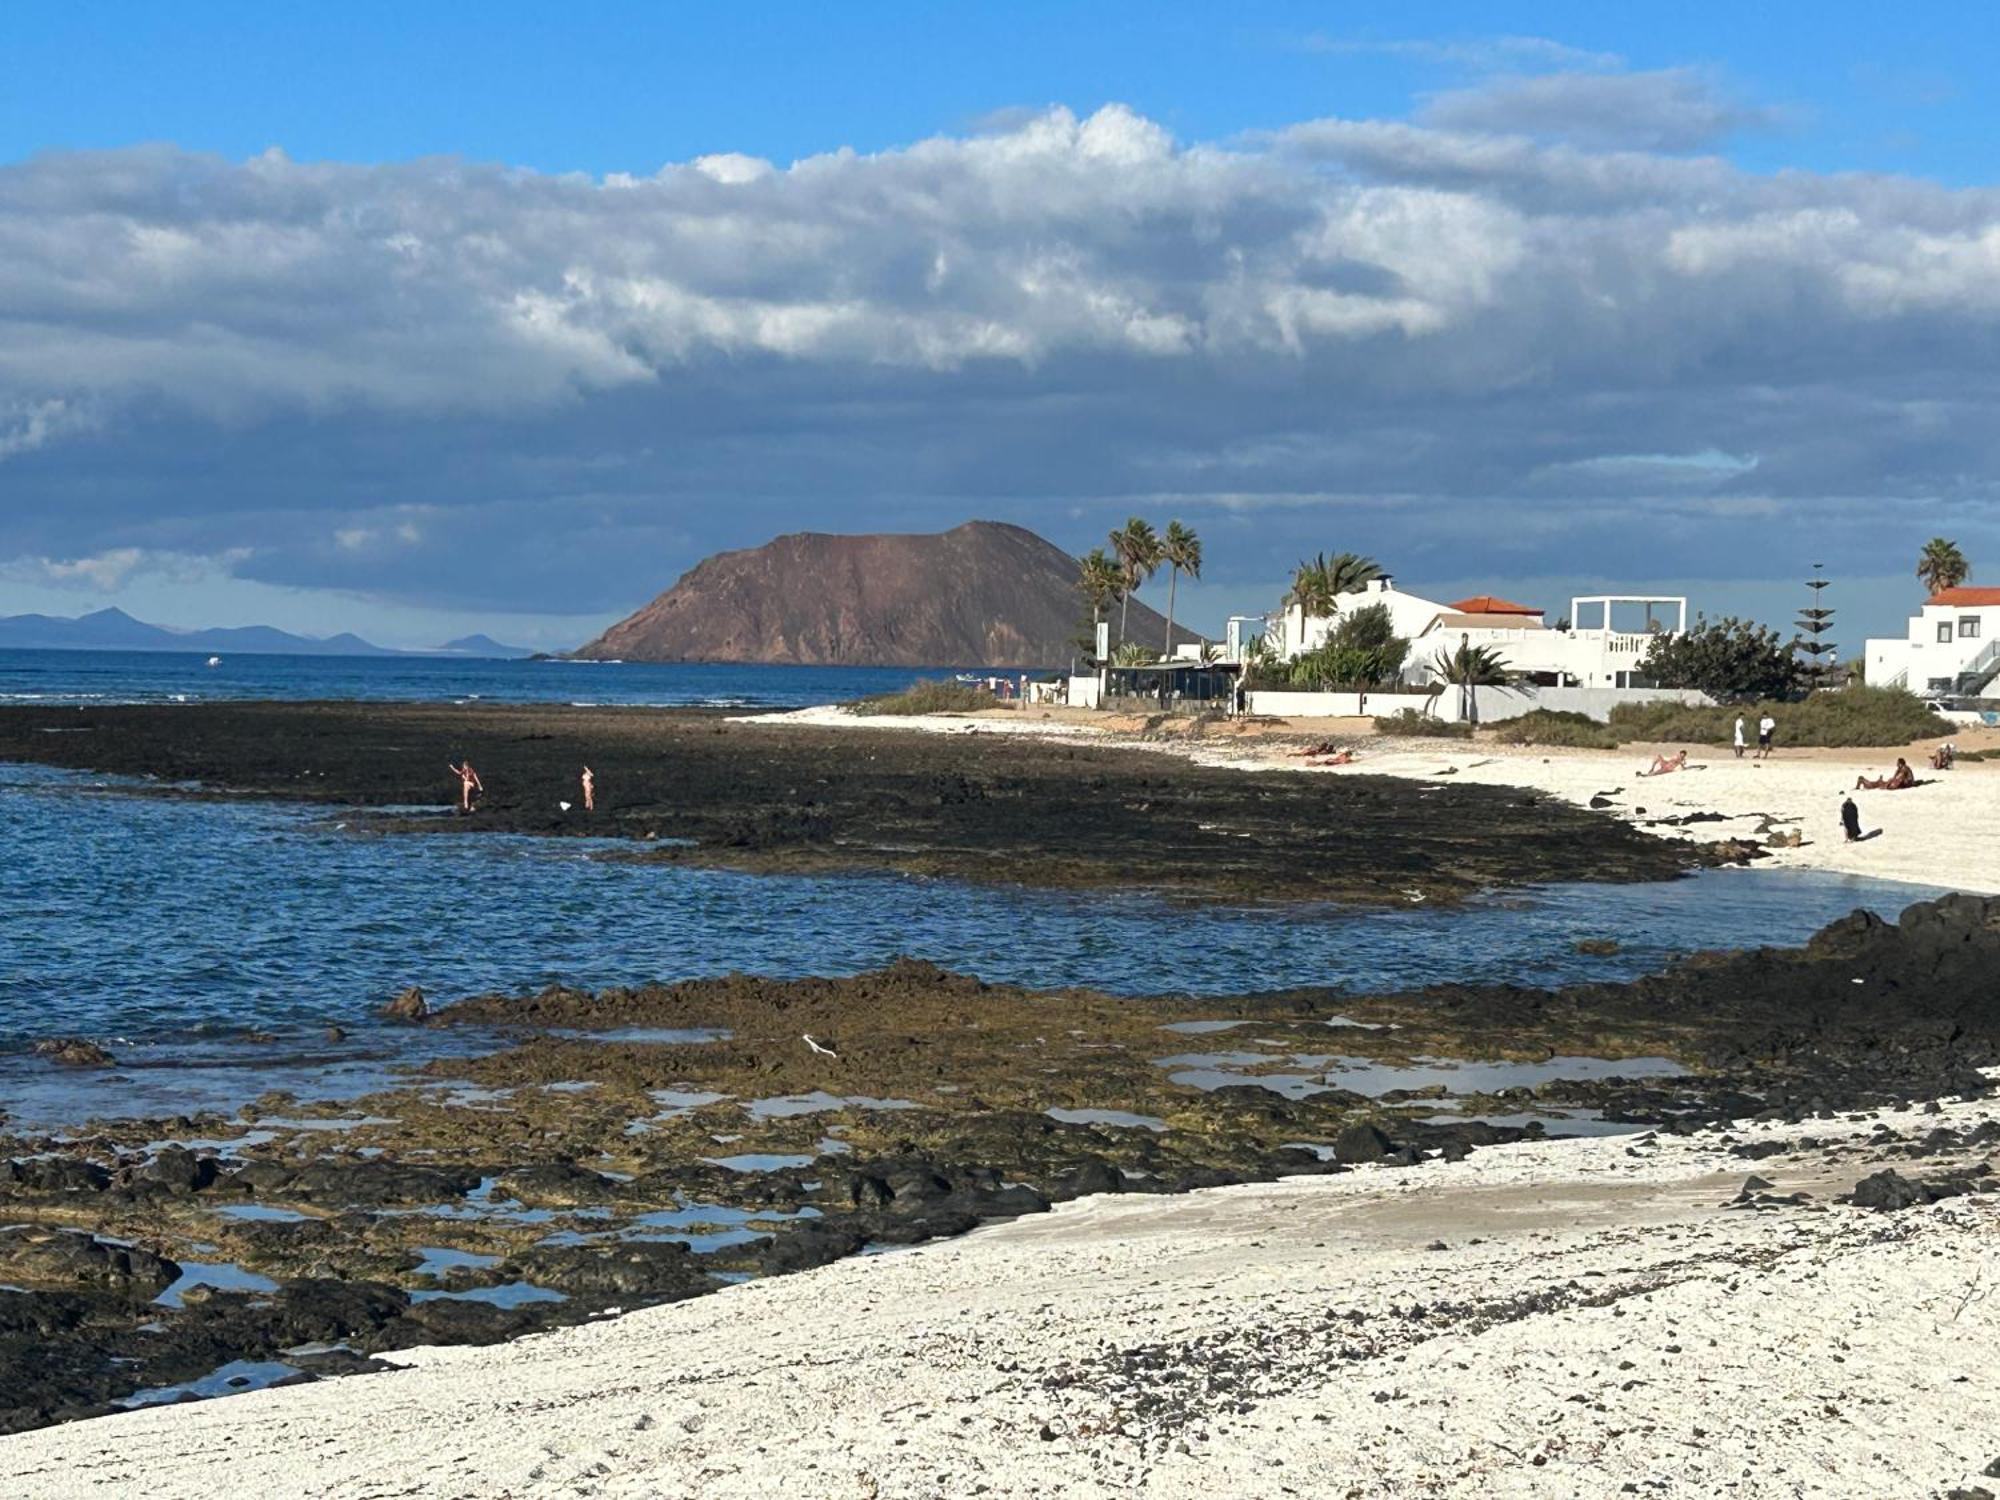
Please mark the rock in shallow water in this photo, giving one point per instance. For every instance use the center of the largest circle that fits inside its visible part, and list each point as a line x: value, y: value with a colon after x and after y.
x: 71, y: 1257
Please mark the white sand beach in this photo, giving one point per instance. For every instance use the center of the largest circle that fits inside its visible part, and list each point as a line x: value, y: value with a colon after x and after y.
x: 1567, y: 1318
x: 1945, y: 832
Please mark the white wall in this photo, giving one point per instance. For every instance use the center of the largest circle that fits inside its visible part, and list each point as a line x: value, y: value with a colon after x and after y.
x: 1084, y: 691
x: 1494, y: 705
x: 1926, y: 659
x: 1291, y: 705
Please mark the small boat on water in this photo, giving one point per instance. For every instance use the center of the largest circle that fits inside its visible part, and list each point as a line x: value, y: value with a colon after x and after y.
x: 215, y: 661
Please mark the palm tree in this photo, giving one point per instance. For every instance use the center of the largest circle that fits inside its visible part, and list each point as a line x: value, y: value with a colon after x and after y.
x: 1350, y: 572
x: 1942, y: 566
x: 1181, y: 551
x: 1467, y: 668
x: 1138, y: 549
x: 1100, y: 580
x: 1317, y: 585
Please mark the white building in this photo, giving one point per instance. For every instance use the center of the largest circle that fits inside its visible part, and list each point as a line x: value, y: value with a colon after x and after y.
x: 1586, y: 653
x: 1953, y: 646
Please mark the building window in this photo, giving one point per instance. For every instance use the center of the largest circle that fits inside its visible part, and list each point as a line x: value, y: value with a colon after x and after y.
x: 1968, y: 627
x: 1944, y: 632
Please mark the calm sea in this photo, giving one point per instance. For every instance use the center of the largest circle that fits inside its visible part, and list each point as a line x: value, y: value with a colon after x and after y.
x: 173, y: 677
x: 165, y: 927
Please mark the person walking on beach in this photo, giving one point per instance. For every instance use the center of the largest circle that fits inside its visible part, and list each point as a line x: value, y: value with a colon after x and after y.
x: 468, y: 783
x: 1766, y: 728
x: 589, y: 791
x: 1739, y: 737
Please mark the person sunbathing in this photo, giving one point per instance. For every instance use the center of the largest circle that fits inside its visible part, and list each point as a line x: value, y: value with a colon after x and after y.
x: 1338, y: 758
x: 1897, y: 780
x: 1943, y: 756
x: 1663, y: 764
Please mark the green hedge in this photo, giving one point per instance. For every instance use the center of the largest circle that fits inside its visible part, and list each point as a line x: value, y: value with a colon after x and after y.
x: 930, y: 698
x: 1548, y: 726
x: 1850, y: 718
x: 1410, y: 724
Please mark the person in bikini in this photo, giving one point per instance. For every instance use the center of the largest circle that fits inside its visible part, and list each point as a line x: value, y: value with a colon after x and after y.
x: 1663, y: 764
x: 589, y: 791
x: 468, y: 784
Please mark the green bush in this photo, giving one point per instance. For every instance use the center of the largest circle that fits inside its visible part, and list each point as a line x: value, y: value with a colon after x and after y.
x: 944, y: 697
x: 1408, y: 723
x: 1547, y: 726
x: 1850, y: 718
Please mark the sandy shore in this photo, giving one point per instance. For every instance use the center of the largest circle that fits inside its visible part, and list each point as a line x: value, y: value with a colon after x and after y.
x: 1944, y: 833
x: 1553, y: 1319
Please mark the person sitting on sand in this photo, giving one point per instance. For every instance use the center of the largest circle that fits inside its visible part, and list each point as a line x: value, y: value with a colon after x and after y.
x: 589, y: 791
x: 1663, y: 764
x: 1943, y: 756
x: 468, y: 783
x: 1897, y: 780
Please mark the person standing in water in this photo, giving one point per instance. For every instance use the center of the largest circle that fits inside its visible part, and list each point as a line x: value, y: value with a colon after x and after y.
x: 468, y: 783
x: 1739, y: 737
x: 589, y: 791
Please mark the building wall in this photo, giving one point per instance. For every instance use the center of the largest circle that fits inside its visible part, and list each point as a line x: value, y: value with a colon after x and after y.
x: 1926, y: 663
x: 1492, y: 705
x: 1595, y: 658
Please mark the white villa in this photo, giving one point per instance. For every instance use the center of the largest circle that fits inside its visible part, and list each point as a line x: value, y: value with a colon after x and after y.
x: 1953, y: 646
x: 1586, y: 653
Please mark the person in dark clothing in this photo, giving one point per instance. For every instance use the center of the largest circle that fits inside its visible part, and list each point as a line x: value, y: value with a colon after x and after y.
x: 1850, y: 819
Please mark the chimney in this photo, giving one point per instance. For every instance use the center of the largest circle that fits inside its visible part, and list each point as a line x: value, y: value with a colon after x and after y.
x: 1383, y: 584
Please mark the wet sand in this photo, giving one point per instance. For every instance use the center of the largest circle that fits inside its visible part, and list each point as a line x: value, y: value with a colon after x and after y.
x: 698, y: 787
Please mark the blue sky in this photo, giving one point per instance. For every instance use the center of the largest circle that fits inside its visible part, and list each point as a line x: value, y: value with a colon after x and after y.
x: 529, y: 307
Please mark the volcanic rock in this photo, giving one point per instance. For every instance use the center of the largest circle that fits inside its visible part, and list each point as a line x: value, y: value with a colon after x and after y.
x: 981, y: 594
x: 74, y: 1052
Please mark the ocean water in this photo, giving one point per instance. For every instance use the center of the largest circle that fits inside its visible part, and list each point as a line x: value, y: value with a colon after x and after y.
x: 151, y: 919
x: 173, y: 677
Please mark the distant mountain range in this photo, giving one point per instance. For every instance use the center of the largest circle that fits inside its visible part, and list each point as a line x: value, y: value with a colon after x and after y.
x: 981, y: 594
x: 114, y: 630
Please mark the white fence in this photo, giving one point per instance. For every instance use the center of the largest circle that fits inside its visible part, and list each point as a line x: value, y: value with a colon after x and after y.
x: 1492, y: 705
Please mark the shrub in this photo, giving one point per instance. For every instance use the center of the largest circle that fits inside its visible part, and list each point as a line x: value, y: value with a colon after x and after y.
x: 1410, y: 724
x: 1729, y: 658
x: 1850, y: 718
x: 943, y: 697
x: 1360, y: 651
x: 1548, y: 726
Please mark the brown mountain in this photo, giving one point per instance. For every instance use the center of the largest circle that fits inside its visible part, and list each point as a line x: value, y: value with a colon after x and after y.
x: 981, y: 594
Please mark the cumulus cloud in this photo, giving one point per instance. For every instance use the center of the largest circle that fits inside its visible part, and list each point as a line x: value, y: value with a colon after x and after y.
x: 109, y: 571
x: 26, y: 424
x: 1670, y: 109
x: 462, y: 382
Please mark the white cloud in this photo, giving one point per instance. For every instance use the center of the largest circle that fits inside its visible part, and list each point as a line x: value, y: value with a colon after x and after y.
x: 106, y: 572
x: 611, y: 376
x: 1482, y: 54
x: 1670, y: 109
x: 115, y: 568
x: 27, y: 424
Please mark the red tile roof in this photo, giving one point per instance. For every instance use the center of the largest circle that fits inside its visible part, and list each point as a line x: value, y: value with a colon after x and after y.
x: 1488, y: 604
x: 1971, y: 598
